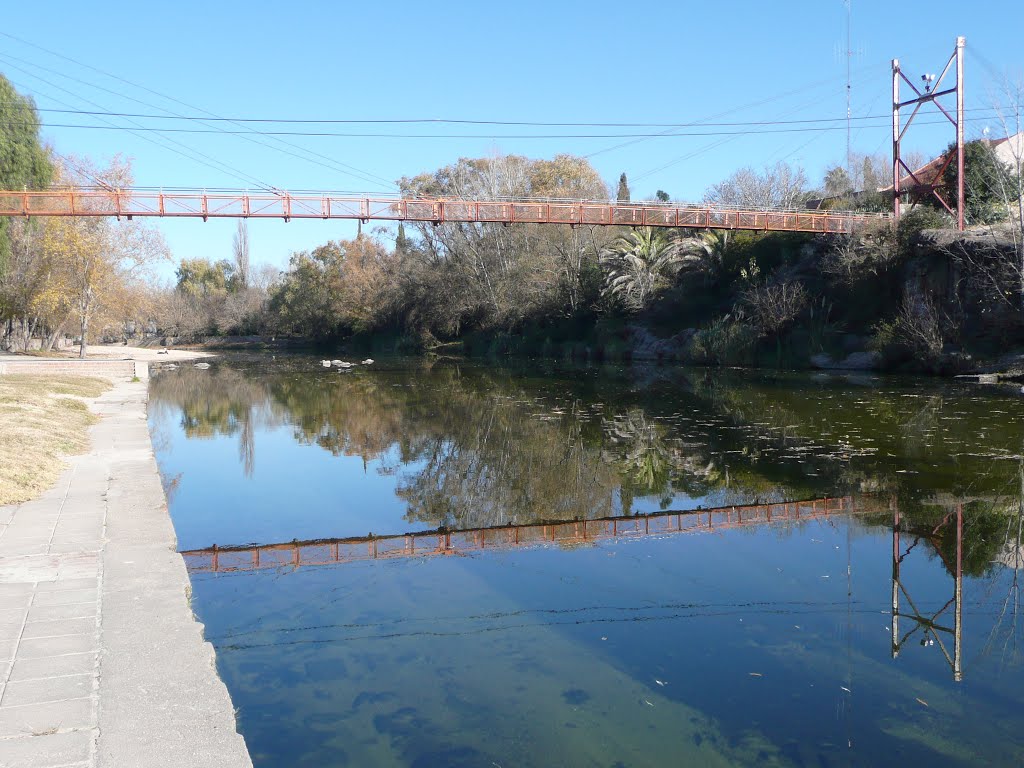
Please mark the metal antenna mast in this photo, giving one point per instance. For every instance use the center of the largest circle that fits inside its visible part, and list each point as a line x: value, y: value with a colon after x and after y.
x: 849, y: 90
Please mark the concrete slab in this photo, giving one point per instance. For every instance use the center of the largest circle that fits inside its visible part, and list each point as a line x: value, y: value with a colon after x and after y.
x: 48, y: 689
x: 43, y: 719
x: 59, y: 627
x: 71, y: 664
x: 63, y: 749
x: 42, y: 647
x: 64, y: 611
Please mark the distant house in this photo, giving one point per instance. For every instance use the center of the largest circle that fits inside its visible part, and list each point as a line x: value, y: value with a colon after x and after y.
x: 1008, y: 150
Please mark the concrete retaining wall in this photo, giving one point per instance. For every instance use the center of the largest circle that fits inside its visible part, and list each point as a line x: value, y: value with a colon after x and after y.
x: 111, y: 369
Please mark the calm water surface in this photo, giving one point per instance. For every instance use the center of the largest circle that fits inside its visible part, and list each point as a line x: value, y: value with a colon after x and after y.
x: 586, y: 631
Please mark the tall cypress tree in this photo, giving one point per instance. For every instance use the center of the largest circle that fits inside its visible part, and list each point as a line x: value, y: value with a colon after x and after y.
x: 623, y: 194
x: 401, y: 241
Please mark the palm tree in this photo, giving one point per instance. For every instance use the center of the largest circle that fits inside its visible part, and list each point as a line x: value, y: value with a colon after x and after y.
x: 639, y: 266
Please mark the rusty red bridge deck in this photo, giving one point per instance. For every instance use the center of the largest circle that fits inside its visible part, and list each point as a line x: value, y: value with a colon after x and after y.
x: 130, y: 203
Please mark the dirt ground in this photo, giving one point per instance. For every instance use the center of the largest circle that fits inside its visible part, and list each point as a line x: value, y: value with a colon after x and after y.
x: 121, y: 352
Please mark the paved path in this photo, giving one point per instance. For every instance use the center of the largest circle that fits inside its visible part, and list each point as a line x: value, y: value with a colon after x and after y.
x: 101, y: 660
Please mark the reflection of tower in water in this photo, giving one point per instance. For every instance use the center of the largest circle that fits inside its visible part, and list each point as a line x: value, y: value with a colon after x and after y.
x: 932, y: 630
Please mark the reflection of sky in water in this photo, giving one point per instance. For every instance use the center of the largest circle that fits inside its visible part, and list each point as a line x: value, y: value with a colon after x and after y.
x: 742, y: 647
x: 718, y: 649
x: 295, y: 491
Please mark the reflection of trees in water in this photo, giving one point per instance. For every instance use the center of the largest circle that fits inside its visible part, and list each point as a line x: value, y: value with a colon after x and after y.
x: 218, y: 402
x: 1003, y: 639
x: 471, y: 454
x: 495, y: 464
x: 473, y: 447
x: 922, y: 424
x: 653, y: 458
x: 900, y: 437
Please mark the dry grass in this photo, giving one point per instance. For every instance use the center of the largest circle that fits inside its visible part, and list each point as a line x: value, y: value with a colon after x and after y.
x: 42, y: 420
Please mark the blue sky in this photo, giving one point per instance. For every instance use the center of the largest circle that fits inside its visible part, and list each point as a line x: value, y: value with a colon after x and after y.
x: 681, y: 62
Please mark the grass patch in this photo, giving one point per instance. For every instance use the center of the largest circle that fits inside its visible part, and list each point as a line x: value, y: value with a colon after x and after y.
x: 42, y: 420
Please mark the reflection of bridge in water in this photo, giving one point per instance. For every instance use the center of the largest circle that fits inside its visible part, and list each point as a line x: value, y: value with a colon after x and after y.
x: 571, y: 533
x: 925, y: 620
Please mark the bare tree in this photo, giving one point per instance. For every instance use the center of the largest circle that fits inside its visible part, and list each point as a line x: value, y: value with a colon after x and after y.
x: 863, y: 253
x: 774, y: 306
x: 920, y: 325
x: 778, y: 186
x: 1009, y: 107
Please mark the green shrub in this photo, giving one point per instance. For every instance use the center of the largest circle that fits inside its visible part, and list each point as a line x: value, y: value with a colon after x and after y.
x: 912, y: 223
x: 725, y: 342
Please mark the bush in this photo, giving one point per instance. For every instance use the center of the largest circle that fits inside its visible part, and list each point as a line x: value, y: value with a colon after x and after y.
x: 774, y: 306
x: 726, y: 341
x: 912, y: 223
x: 919, y: 332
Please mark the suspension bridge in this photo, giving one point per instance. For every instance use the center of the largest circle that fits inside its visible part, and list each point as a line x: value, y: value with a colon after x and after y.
x: 131, y: 203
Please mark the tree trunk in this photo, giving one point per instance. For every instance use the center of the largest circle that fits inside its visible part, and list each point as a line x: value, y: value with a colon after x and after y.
x: 85, y: 331
x: 51, y: 339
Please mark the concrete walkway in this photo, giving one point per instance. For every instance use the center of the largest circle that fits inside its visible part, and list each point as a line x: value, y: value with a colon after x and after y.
x: 101, y: 660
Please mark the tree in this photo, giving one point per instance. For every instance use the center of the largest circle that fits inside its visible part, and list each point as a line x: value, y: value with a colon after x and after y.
x: 779, y: 186
x: 306, y: 300
x: 661, y: 196
x: 773, y: 306
x: 485, y: 275
x: 240, y: 251
x: 32, y: 296
x: 202, y: 278
x: 98, y: 260
x: 838, y: 182
x: 870, y: 174
x: 988, y: 183
x: 638, y: 266
x: 24, y: 161
x: 623, y: 194
x: 341, y: 286
x: 401, y: 241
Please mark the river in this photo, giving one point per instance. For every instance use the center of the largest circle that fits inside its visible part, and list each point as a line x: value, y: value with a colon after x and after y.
x: 449, y: 563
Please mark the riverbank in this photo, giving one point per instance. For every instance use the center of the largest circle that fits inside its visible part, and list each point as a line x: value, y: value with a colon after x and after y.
x: 101, y: 659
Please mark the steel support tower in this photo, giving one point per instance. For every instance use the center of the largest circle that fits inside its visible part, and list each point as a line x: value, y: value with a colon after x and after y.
x: 929, y: 93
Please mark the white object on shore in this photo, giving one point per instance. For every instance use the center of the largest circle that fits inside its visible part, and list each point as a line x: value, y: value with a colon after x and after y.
x: 201, y: 366
x: 368, y: 361
x: 325, y: 363
x: 337, y: 362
